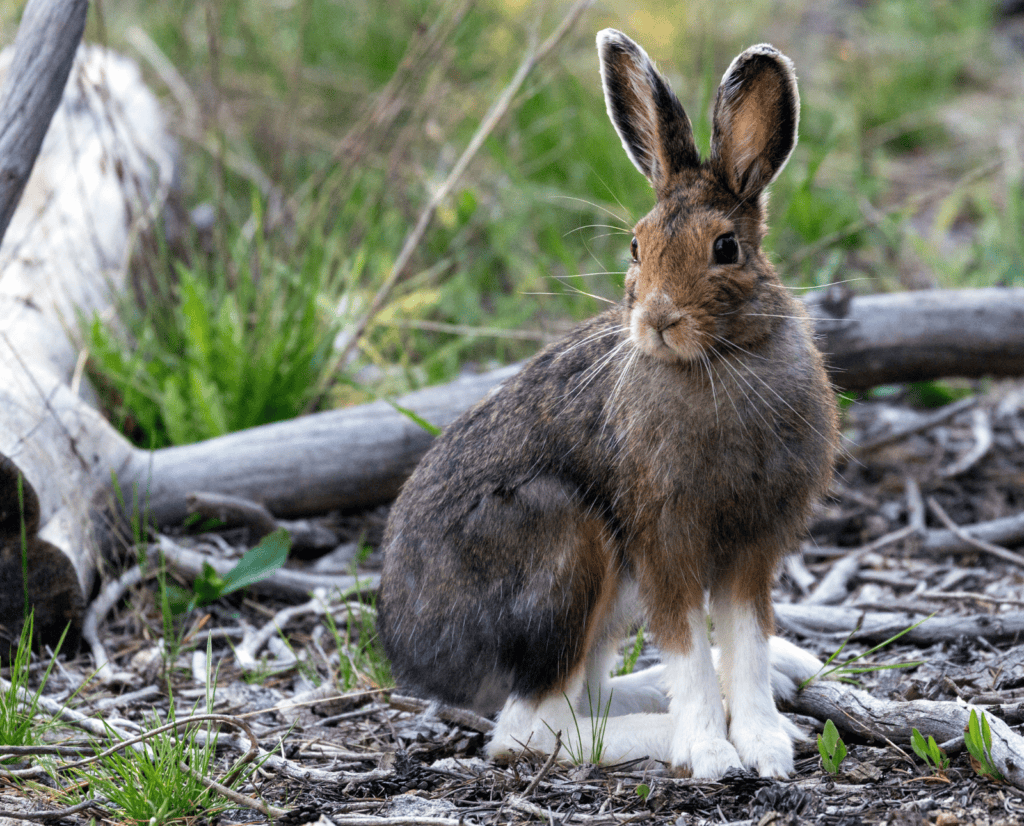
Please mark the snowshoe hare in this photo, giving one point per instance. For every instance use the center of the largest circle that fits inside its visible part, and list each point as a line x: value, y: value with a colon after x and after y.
x: 660, y: 459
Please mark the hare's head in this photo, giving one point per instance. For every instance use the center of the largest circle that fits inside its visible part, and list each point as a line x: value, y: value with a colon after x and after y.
x: 698, y: 282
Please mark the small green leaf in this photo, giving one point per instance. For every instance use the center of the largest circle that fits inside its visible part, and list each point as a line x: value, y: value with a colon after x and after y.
x: 918, y: 744
x: 831, y: 748
x: 978, y: 739
x: 643, y: 791
x: 259, y: 562
x: 432, y: 429
x: 208, y: 586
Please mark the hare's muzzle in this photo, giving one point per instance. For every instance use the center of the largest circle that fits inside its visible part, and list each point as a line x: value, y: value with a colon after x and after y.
x: 664, y: 331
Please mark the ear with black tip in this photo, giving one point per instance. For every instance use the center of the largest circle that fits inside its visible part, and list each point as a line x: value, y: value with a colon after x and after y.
x: 651, y: 123
x: 757, y: 112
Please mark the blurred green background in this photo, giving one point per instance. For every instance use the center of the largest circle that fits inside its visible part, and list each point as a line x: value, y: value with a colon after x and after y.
x: 313, y: 133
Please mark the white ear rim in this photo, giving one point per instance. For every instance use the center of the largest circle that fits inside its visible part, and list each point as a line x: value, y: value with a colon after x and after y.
x: 607, y: 39
x: 789, y: 74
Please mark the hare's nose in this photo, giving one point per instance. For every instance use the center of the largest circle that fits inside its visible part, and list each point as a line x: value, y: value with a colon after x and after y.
x: 660, y: 313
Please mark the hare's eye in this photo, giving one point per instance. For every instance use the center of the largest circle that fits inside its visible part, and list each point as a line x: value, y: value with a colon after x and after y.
x: 726, y: 249
x: 634, y: 250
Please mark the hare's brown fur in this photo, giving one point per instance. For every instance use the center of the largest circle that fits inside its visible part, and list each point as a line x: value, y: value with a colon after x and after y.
x: 675, y: 442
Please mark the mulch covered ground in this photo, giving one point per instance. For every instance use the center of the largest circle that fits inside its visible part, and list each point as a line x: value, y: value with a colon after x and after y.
x: 888, y: 544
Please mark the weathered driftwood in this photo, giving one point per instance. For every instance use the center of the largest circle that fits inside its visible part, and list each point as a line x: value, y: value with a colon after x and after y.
x: 879, y: 339
x: 104, y: 162
x: 881, y: 720
x: 352, y: 458
x: 833, y: 622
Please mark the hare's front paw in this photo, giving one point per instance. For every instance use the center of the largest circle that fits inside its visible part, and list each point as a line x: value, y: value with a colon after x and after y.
x: 767, y: 749
x: 708, y: 758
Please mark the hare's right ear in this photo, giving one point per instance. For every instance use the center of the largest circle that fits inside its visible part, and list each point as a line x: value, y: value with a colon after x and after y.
x: 757, y: 113
x: 654, y: 129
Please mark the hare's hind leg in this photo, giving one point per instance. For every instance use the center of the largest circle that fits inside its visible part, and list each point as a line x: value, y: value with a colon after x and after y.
x: 587, y: 732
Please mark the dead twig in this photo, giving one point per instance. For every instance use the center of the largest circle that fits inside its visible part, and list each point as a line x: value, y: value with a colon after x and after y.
x: 106, y: 671
x: 915, y: 506
x: 923, y: 423
x: 974, y: 542
x: 46, y: 817
x: 546, y: 767
x: 460, y: 716
x: 232, y: 510
x: 981, y: 428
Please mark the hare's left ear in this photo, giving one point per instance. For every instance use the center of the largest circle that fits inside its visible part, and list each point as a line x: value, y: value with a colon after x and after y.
x: 757, y: 112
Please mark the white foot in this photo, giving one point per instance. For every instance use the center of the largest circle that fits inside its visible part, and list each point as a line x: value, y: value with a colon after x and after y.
x: 749, y: 663
x: 763, y: 747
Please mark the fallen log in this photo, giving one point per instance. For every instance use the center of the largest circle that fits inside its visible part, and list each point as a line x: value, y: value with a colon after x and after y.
x: 106, y: 154
x: 927, y: 334
x: 358, y: 457
x: 882, y: 721
x: 824, y: 622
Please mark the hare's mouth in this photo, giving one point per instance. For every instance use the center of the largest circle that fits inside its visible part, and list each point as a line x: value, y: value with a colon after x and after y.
x: 672, y: 339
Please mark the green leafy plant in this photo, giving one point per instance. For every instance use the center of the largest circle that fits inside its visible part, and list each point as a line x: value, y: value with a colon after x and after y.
x: 360, y: 654
x: 162, y: 786
x: 255, y: 565
x: 432, y: 429
x: 978, y: 739
x: 222, y: 344
x: 831, y: 748
x: 928, y: 750
x: 643, y: 791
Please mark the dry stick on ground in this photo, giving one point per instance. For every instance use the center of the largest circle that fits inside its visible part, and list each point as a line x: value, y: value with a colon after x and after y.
x: 1008, y: 530
x: 110, y: 596
x: 52, y: 814
x: 834, y: 586
x: 920, y: 424
x: 283, y: 582
x: 232, y: 511
x: 450, y: 714
x: 981, y: 428
x: 496, y: 112
x: 546, y: 767
x: 915, y: 506
x: 972, y: 541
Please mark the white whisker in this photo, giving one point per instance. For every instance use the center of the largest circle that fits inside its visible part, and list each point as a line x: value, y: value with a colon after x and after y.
x: 596, y: 206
